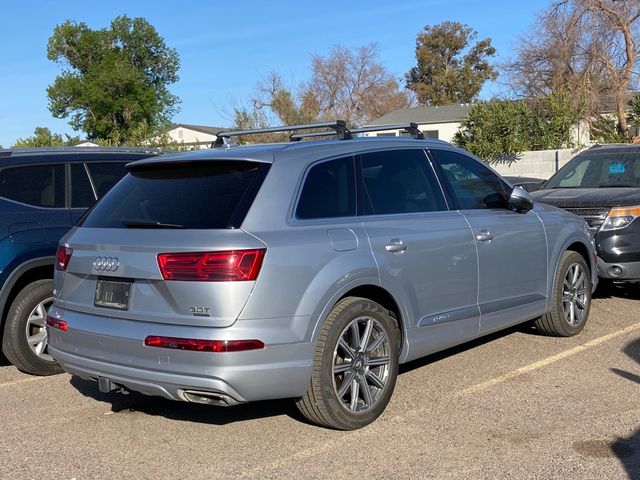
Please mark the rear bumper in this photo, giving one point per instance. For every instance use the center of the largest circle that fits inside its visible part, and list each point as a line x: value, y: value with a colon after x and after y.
x: 97, y: 347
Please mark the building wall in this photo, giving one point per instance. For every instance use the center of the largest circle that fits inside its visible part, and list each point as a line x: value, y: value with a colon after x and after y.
x: 540, y: 164
x: 186, y: 136
x: 445, y: 131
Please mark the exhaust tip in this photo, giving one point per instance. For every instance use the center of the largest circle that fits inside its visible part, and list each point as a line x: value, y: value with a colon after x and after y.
x: 210, y: 398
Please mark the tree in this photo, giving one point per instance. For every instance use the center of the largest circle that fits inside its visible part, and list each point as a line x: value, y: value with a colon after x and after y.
x: 43, y: 137
x: 449, y: 68
x: 114, y: 79
x: 553, y: 119
x: 348, y: 84
x: 352, y: 84
x: 499, y: 130
x: 587, y: 47
x: 496, y: 131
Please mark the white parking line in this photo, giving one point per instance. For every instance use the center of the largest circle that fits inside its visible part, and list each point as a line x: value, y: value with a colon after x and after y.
x: 545, y: 361
x: 24, y: 380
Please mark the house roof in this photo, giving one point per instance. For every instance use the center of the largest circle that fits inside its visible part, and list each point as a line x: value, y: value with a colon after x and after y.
x: 424, y: 114
x: 197, y: 128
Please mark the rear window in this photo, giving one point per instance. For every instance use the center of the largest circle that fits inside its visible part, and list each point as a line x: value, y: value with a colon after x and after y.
x: 194, y: 196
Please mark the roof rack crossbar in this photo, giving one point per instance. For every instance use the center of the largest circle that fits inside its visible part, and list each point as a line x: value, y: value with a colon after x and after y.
x: 339, y: 128
x: 412, y: 128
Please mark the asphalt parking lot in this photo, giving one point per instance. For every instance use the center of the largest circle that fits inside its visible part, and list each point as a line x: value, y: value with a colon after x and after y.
x: 513, y: 405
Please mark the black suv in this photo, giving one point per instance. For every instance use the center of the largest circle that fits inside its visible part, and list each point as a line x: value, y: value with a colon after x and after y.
x: 602, y: 185
x: 43, y: 192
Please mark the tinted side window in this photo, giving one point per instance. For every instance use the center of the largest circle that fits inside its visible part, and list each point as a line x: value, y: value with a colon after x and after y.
x: 41, y: 186
x: 473, y: 185
x: 81, y: 191
x: 106, y: 175
x: 329, y: 190
x: 399, y: 181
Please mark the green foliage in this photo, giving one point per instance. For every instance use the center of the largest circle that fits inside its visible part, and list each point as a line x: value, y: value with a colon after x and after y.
x: 114, y: 80
x: 495, y: 131
x: 43, y: 137
x: 634, y: 114
x: 552, y: 120
x: 498, y: 131
x: 449, y: 69
x: 606, y: 129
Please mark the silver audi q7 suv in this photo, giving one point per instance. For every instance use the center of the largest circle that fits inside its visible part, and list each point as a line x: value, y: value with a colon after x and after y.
x: 307, y: 269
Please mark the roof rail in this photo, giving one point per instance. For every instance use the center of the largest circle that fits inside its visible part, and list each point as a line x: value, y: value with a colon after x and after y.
x: 339, y: 128
x: 411, y: 127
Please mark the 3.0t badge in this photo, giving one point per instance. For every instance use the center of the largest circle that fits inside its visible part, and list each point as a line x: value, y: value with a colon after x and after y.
x: 106, y: 264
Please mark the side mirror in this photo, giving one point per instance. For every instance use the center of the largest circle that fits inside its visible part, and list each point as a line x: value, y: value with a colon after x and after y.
x: 520, y: 200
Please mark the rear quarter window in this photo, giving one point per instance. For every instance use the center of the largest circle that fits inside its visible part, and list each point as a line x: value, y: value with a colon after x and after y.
x: 328, y: 191
x: 202, y: 195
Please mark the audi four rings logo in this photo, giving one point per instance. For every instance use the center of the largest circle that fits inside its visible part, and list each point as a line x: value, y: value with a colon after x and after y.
x: 106, y: 264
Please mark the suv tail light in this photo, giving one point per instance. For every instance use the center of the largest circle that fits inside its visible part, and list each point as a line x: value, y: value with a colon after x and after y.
x: 57, y: 323
x: 226, y: 266
x: 62, y: 258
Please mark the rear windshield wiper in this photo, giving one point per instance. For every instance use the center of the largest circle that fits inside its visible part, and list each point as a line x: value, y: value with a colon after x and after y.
x: 141, y: 223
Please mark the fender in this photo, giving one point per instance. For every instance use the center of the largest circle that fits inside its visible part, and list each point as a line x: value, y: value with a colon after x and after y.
x: 15, y: 275
x: 557, y: 254
x: 335, y: 294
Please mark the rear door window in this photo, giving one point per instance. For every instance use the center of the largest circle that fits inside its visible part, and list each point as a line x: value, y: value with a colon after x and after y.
x: 399, y: 181
x: 329, y: 190
x: 81, y: 192
x: 105, y: 175
x: 38, y: 185
x: 201, y: 195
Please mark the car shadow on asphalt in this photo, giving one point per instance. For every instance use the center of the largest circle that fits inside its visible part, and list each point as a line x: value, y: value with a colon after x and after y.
x: 527, y: 328
x: 617, y: 290
x: 627, y: 449
x: 3, y: 360
x: 186, y: 412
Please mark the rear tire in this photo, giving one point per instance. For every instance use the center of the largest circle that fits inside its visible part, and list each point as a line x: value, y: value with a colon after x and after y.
x: 571, y: 299
x: 355, y: 366
x: 24, y: 342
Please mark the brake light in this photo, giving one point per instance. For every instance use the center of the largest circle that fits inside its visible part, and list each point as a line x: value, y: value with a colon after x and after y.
x: 217, y: 346
x: 227, y: 266
x: 57, y: 323
x: 63, y: 256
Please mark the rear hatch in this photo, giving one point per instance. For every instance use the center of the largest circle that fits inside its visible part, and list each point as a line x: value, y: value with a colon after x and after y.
x: 164, y: 245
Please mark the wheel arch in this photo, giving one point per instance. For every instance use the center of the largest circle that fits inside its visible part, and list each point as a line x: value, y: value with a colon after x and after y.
x: 370, y: 291
x: 24, y: 274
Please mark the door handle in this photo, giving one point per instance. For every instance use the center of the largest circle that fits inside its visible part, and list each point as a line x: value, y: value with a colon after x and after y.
x: 484, y: 236
x: 395, y: 246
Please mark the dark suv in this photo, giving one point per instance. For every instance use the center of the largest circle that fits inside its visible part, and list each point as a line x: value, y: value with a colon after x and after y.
x: 43, y: 192
x: 602, y: 185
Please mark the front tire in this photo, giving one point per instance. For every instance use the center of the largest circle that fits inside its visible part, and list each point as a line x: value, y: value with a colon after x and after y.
x: 571, y: 299
x: 355, y: 366
x: 24, y: 342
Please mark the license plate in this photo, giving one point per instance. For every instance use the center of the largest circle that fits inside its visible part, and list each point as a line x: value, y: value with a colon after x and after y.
x: 112, y: 294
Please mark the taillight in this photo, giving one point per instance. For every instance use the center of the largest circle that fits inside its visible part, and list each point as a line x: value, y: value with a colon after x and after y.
x: 227, y: 266
x: 57, y: 323
x: 62, y: 257
x: 217, y: 346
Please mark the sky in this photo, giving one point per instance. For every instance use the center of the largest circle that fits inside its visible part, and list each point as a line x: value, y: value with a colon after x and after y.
x: 225, y: 48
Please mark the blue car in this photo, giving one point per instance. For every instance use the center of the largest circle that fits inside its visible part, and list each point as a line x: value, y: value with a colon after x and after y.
x: 43, y: 193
